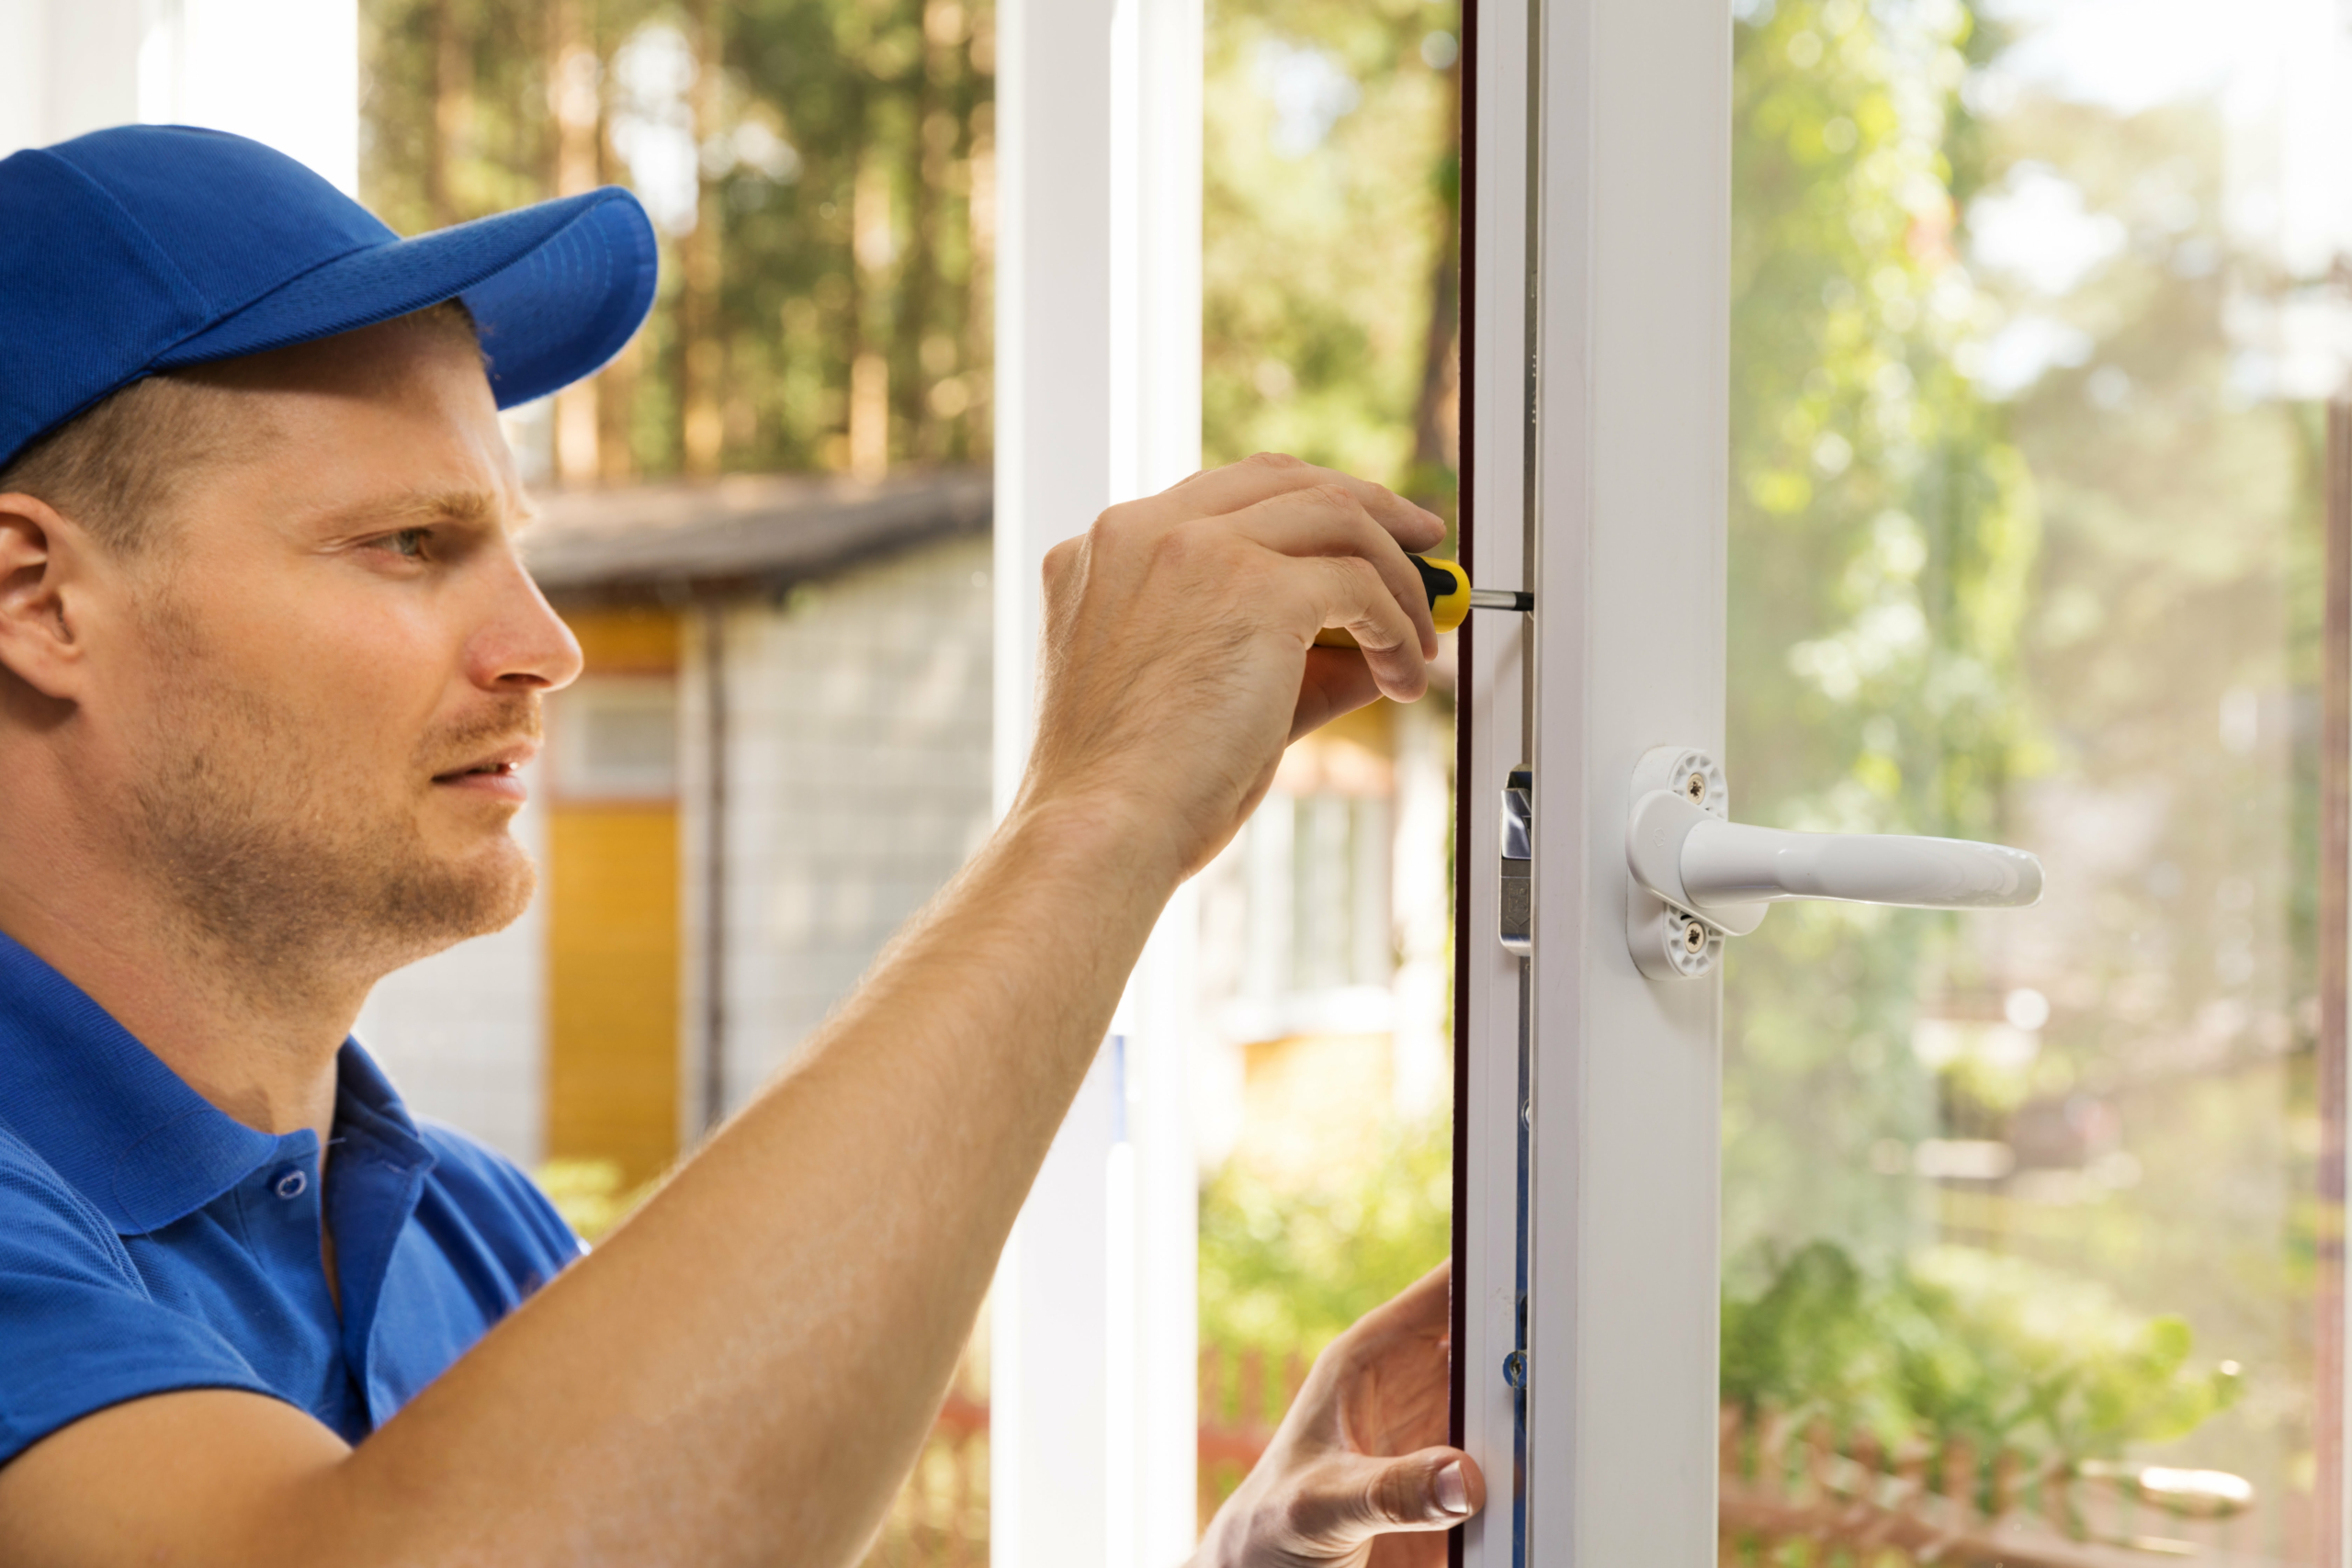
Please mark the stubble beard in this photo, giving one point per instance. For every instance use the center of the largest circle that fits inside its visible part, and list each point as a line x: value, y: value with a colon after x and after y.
x: 287, y: 865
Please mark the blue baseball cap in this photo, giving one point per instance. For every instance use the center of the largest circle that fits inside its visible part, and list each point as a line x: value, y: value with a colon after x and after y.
x: 152, y: 247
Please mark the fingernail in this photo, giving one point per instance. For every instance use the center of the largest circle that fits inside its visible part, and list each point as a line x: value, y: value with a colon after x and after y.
x: 1452, y: 1492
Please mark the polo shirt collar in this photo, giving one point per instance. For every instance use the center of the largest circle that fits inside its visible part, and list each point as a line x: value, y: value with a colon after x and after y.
x: 126, y: 1130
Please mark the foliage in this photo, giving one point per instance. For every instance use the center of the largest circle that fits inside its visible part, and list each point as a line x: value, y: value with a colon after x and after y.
x: 1284, y: 1270
x: 842, y: 150
x: 1964, y: 1344
x: 820, y: 172
x: 1882, y: 536
x: 589, y: 1195
x: 1331, y: 184
x: 2015, y: 611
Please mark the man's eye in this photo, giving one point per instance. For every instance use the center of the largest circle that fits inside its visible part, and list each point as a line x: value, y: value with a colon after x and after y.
x: 408, y: 542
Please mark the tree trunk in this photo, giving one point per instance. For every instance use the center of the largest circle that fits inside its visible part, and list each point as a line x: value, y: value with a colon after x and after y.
x: 704, y: 426
x: 980, y: 216
x: 1436, y: 410
x: 576, y: 102
x: 936, y: 133
x: 452, y: 109
x: 617, y: 388
x: 874, y: 247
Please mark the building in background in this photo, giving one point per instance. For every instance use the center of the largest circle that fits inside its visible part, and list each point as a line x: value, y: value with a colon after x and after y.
x: 1327, y: 950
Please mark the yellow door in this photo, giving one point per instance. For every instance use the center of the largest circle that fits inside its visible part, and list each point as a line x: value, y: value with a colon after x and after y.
x: 613, y: 938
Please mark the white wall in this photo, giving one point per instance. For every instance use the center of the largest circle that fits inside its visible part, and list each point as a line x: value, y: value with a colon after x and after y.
x: 1098, y: 377
x: 858, y: 724
x: 67, y: 66
x: 283, y: 72
x: 463, y: 1035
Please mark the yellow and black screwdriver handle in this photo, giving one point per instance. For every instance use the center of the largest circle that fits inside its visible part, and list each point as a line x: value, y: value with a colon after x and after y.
x: 1451, y: 599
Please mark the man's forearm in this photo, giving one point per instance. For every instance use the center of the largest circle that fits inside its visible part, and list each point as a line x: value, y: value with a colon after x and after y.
x: 749, y: 1364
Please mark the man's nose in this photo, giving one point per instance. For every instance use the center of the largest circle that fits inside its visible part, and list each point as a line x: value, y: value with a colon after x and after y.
x: 524, y: 644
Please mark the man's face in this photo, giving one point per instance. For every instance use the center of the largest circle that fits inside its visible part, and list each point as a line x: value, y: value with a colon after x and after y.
x: 337, y: 666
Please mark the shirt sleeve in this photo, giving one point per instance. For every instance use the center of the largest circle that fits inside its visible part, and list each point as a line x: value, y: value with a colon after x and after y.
x: 78, y: 1330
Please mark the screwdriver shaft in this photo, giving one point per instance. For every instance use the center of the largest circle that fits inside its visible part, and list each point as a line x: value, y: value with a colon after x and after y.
x: 1501, y: 599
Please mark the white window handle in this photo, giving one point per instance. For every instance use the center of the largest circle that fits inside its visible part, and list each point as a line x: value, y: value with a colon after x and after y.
x: 1696, y: 878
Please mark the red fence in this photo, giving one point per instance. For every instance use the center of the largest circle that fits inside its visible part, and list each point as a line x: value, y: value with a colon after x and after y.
x: 1242, y: 1400
x: 941, y: 1518
x: 1791, y: 1496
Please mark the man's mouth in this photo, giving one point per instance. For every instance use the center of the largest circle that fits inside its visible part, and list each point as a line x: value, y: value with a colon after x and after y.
x: 499, y: 773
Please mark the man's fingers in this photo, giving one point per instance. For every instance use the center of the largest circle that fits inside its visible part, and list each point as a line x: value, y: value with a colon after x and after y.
x: 1328, y: 519
x: 1435, y: 1489
x: 1345, y: 1505
x: 1336, y: 680
x: 1354, y: 596
x: 1270, y: 474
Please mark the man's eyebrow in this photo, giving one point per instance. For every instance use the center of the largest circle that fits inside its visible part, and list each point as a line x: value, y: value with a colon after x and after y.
x: 420, y: 509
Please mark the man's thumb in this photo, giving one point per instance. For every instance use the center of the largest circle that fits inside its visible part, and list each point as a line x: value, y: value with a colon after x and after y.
x: 1433, y: 1489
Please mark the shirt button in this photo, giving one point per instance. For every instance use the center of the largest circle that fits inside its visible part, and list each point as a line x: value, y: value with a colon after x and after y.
x: 290, y: 1183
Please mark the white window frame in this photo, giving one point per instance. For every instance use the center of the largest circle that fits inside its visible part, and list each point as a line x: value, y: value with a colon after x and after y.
x: 282, y: 72
x: 1600, y: 383
x: 1607, y: 498
x: 1092, y: 1395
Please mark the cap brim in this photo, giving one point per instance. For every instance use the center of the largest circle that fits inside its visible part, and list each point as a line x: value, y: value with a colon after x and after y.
x: 557, y: 288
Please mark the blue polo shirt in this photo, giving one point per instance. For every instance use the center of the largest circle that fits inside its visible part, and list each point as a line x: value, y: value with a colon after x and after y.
x: 148, y: 1243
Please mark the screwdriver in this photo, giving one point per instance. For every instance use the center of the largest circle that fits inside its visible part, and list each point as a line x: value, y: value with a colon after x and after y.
x: 1451, y: 599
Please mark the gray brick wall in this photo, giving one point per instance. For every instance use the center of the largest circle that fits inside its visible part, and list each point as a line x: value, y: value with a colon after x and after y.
x: 859, y: 724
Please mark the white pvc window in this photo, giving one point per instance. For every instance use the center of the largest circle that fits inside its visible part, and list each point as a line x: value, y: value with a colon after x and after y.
x: 285, y: 72
x: 1093, y: 1380
x: 2165, y: 961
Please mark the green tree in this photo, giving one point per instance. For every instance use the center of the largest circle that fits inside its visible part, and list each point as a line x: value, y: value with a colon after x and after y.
x: 1287, y: 1269
x: 1961, y: 1344
x: 1331, y: 197
x: 2020, y: 617
x: 821, y: 172
x: 1883, y: 532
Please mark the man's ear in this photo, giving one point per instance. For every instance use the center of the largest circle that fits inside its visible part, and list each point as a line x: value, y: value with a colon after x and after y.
x: 45, y: 576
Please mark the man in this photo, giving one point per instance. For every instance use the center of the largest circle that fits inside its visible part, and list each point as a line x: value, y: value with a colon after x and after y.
x: 269, y: 671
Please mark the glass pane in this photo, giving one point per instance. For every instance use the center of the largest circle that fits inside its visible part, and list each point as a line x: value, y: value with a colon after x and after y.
x: 2033, y: 307
x: 1321, y: 1072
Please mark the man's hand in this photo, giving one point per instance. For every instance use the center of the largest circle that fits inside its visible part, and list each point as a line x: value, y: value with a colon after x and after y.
x: 1359, y: 1473
x: 1178, y: 651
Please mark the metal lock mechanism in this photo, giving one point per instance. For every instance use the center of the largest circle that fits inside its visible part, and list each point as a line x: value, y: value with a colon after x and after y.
x: 1516, y: 916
